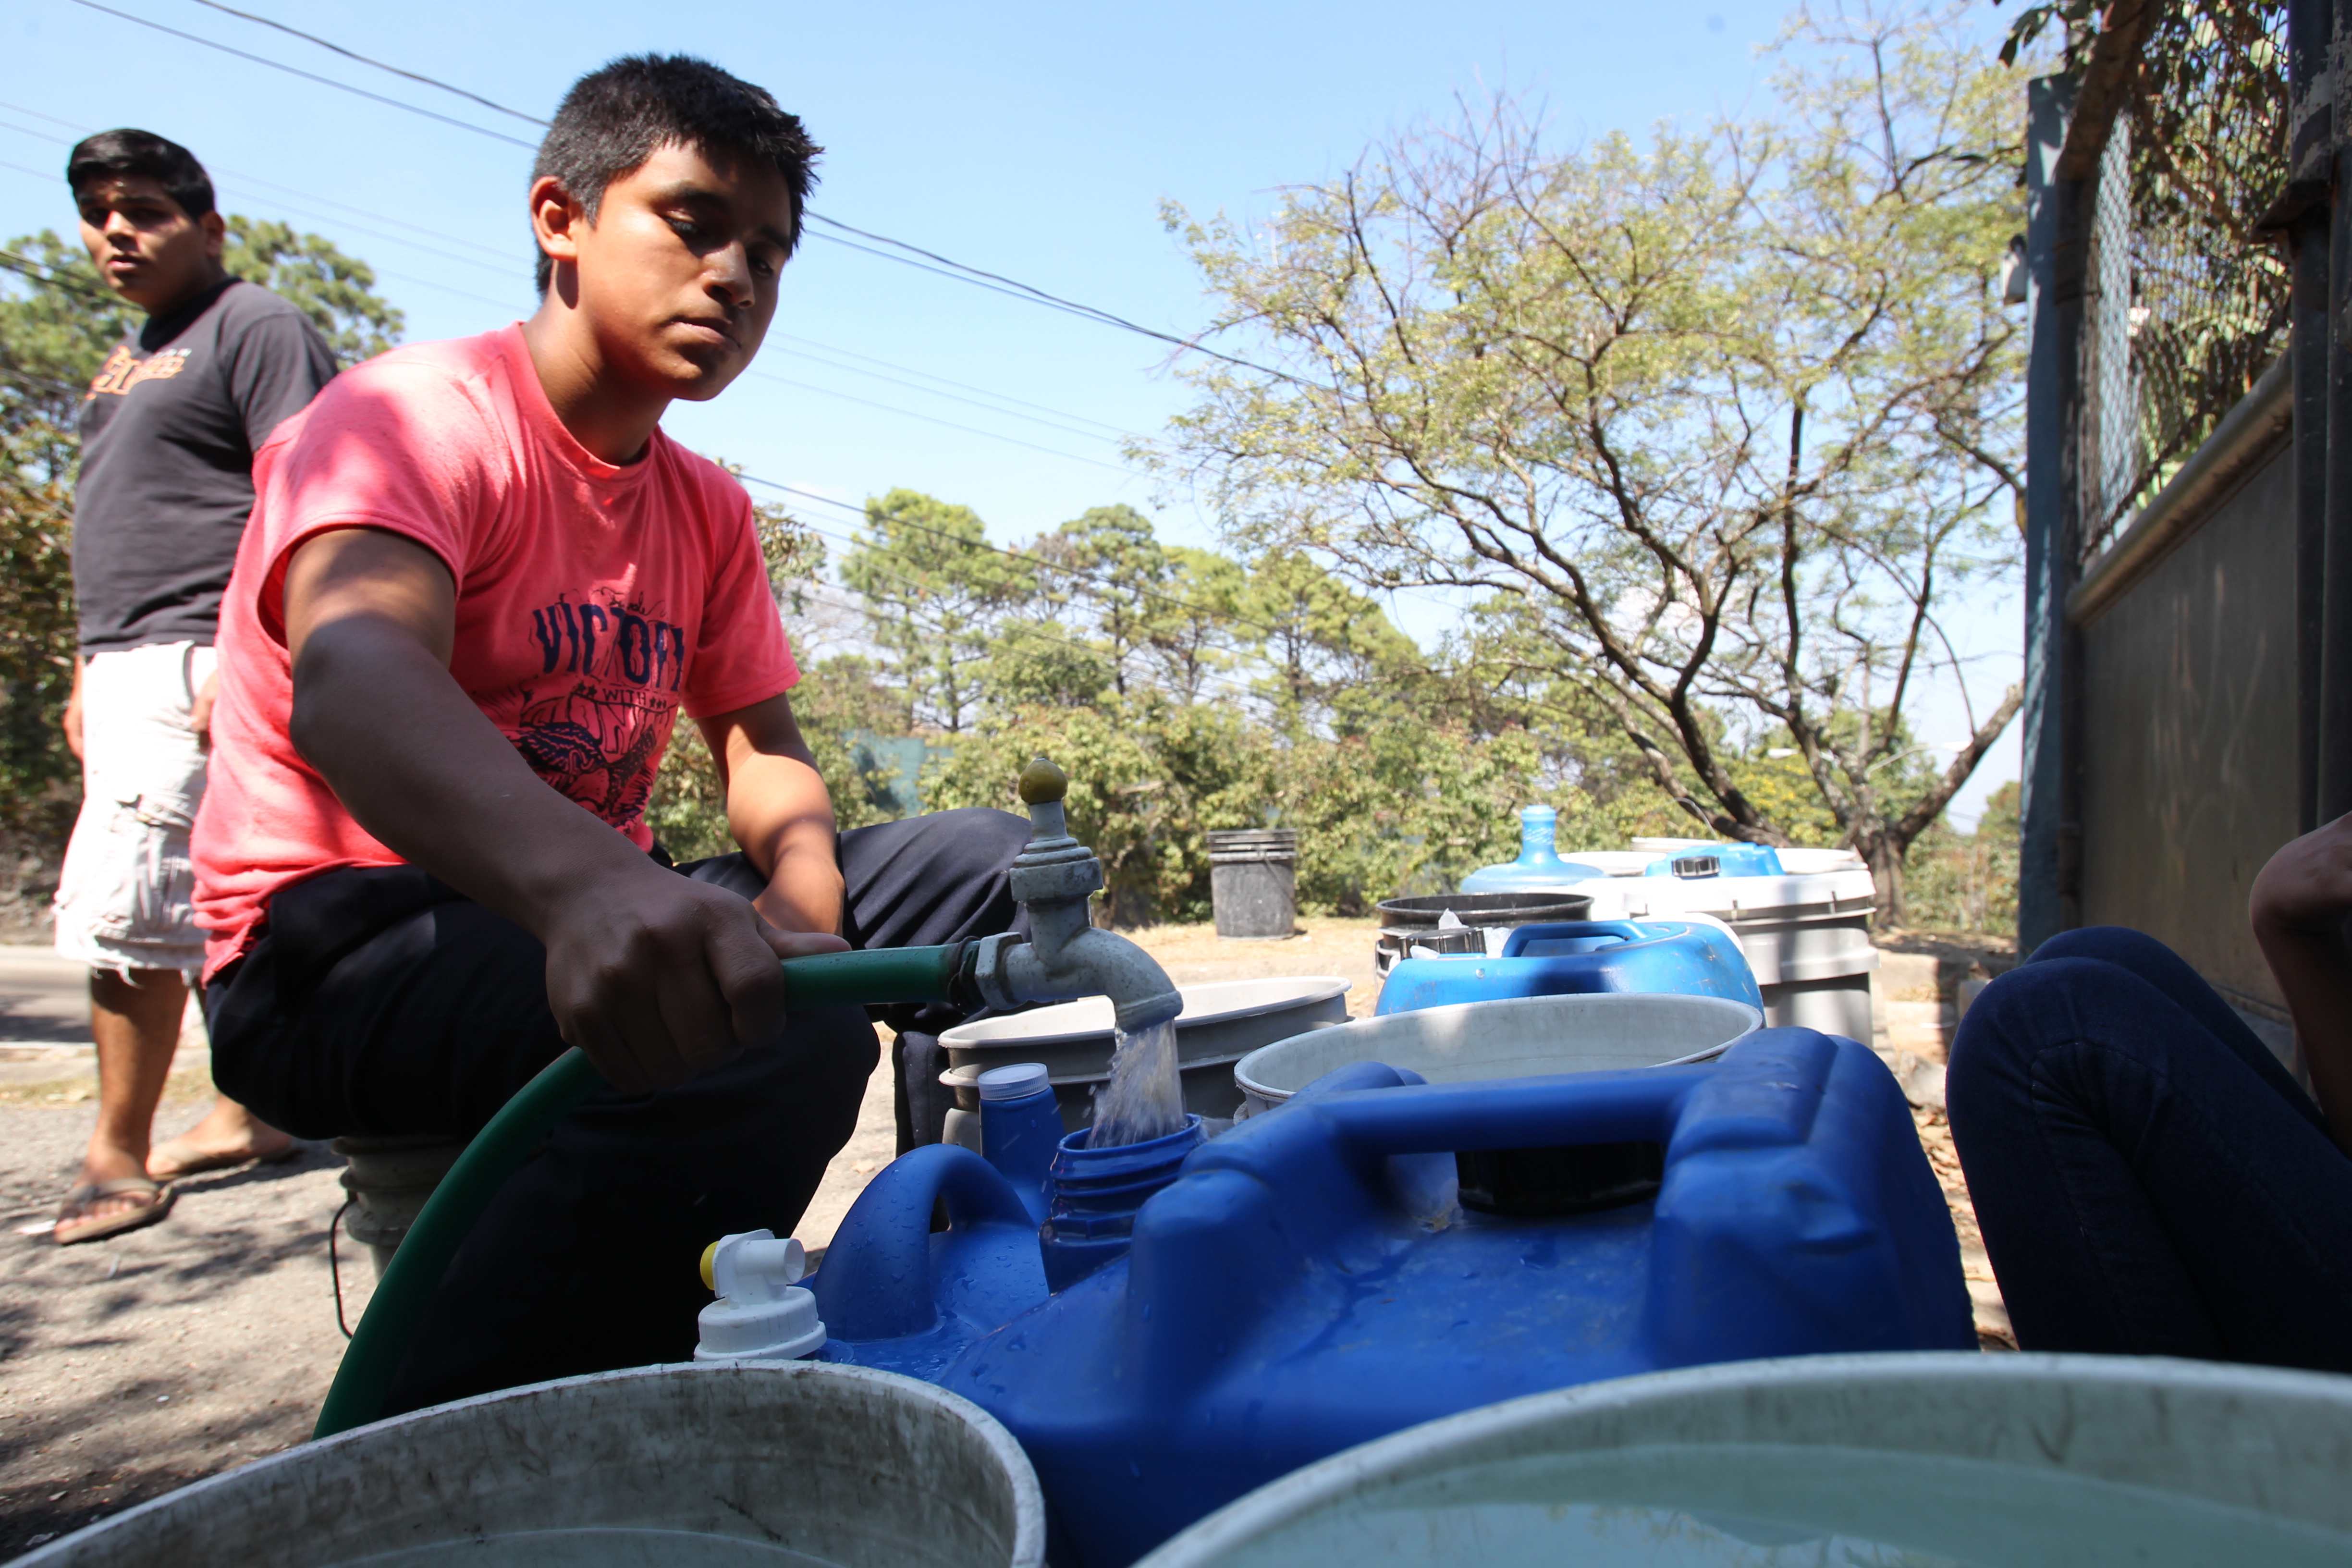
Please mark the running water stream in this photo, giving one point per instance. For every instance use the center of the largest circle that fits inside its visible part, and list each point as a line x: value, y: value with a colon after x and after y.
x: 1143, y: 1099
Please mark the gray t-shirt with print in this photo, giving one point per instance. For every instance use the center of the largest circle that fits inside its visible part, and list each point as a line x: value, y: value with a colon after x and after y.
x: 168, y: 434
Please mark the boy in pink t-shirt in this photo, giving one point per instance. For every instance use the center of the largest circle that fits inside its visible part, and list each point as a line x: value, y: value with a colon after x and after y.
x: 478, y: 586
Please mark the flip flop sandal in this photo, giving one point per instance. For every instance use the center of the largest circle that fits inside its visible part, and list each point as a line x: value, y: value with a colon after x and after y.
x: 159, y: 1198
x: 203, y: 1162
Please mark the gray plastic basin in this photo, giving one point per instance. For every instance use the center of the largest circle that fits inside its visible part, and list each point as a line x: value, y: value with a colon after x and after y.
x: 739, y: 1465
x: 2025, y: 1461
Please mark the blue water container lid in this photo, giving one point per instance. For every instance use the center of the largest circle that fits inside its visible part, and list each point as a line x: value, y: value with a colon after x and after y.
x: 1017, y: 1082
x: 1719, y: 860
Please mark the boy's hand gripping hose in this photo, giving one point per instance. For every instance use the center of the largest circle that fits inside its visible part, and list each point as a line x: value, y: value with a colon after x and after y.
x: 1065, y: 957
x: 827, y: 980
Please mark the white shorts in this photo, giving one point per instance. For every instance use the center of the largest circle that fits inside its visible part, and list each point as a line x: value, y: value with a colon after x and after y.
x: 125, y: 898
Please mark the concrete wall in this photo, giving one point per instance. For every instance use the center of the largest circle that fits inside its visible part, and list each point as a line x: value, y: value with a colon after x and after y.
x: 2188, y: 737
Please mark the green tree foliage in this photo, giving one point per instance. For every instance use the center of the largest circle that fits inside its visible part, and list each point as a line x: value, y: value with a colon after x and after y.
x: 1185, y: 691
x: 1113, y: 550
x: 336, y: 292
x: 933, y: 591
x: 1195, y: 641
x: 836, y: 700
x: 59, y: 320
x: 1148, y: 778
x: 1729, y: 418
x: 1966, y: 882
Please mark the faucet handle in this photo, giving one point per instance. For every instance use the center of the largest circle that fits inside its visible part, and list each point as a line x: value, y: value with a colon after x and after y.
x: 1043, y: 783
x: 1043, y: 786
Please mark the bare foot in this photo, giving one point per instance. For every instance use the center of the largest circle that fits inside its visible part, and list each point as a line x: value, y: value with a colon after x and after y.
x: 228, y: 1135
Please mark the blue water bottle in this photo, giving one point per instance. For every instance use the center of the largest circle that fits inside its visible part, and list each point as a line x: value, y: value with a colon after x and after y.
x: 1539, y: 868
x: 1020, y: 1128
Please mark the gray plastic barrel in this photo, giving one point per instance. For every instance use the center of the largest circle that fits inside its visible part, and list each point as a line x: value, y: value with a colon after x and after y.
x: 1523, y: 1036
x: 1222, y: 1022
x: 2030, y: 1461
x: 737, y: 1464
x: 1253, y: 882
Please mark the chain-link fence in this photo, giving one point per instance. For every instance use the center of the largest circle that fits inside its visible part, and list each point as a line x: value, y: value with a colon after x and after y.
x: 2184, y: 300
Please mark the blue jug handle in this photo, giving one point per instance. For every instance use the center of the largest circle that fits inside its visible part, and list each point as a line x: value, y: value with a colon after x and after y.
x: 1762, y: 1092
x: 1635, y: 1106
x: 1551, y: 931
x: 876, y: 1281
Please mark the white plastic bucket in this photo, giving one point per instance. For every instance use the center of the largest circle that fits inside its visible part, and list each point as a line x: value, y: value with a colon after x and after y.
x: 1222, y: 1021
x: 738, y: 1465
x: 1525, y: 1037
x: 2031, y: 1461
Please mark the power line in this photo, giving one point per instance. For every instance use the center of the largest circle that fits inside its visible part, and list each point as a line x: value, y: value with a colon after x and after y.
x: 72, y: 287
x: 509, y: 269
x: 934, y: 419
x: 502, y: 262
x: 762, y: 374
x: 1029, y: 291
x: 1107, y: 433
x: 964, y: 386
x: 79, y: 130
x: 349, y: 55
x: 944, y: 264
x: 25, y: 266
x: 872, y: 402
x: 311, y: 76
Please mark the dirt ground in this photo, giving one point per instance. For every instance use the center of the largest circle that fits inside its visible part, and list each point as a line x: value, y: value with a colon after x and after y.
x: 134, y: 1366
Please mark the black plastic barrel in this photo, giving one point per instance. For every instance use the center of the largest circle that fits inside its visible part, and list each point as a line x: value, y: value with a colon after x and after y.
x: 1410, y: 922
x: 1253, y: 882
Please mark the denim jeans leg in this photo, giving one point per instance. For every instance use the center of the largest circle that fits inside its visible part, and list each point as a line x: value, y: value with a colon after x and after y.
x: 2147, y: 1182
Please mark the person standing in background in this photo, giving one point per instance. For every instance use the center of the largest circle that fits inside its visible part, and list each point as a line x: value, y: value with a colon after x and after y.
x: 169, y: 430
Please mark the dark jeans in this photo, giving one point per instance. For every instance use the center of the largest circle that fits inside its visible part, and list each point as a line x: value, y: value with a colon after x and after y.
x: 380, y: 1001
x: 2150, y: 1180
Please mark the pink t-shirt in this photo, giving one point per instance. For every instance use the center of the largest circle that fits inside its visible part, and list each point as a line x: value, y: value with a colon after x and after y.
x: 593, y: 602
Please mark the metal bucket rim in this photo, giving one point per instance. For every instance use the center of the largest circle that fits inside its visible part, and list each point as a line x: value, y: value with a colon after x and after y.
x: 1321, y: 988
x: 948, y: 1078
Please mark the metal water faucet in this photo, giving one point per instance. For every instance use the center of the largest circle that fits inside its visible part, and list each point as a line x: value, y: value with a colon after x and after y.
x: 1066, y: 955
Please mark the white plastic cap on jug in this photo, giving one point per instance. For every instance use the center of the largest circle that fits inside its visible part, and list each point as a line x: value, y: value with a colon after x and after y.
x: 762, y: 1313
x: 1017, y: 1080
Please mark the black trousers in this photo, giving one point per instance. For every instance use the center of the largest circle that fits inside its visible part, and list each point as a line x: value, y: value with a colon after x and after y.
x: 2150, y: 1180
x: 380, y: 1001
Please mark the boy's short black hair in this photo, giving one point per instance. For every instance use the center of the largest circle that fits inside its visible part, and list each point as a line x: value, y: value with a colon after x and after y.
x: 614, y: 119
x: 129, y: 154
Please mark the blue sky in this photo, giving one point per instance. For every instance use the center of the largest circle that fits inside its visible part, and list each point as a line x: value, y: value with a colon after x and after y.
x: 1037, y: 141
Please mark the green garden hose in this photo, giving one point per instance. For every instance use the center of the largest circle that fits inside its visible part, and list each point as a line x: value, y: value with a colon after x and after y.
x: 877, y: 978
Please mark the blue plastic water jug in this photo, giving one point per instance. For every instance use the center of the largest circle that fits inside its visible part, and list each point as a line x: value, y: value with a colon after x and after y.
x: 1305, y: 1284
x: 1662, y: 957
x: 1719, y: 860
x: 1539, y: 868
